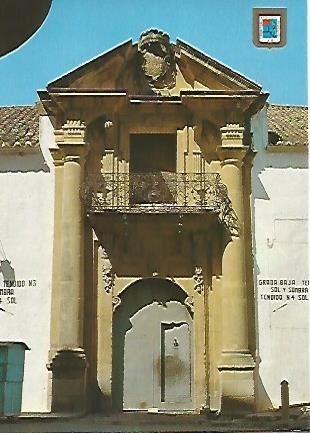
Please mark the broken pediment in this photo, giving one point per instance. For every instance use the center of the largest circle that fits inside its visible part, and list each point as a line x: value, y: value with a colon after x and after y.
x: 154, y: 66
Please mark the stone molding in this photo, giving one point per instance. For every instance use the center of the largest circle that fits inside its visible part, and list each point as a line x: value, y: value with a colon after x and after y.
x: 236, y: 360
x: 68, y: 362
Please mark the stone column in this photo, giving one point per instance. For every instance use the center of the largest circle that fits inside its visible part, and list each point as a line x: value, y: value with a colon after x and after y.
x: 68, y: 364
x: 237, y: 364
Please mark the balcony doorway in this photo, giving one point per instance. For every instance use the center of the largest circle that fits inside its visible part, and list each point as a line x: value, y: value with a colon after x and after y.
x: 153, y: 153
x: 152, y: 168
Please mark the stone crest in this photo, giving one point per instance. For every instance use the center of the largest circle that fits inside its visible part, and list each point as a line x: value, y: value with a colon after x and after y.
x: 157, y: 59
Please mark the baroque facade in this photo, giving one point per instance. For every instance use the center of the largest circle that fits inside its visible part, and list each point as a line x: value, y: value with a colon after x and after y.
x: 150, y: 150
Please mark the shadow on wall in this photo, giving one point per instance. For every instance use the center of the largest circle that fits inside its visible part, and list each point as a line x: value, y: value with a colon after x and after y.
x: 23, y: 163
x: 7, y: 270
x: 6, y: 273
x: 263, y: 401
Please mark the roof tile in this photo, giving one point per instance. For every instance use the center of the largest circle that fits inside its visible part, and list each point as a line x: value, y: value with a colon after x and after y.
x: 289, y: 123
x: 19, y: 127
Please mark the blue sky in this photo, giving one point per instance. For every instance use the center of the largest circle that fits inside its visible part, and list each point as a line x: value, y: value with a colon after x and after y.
x: 78, y: 30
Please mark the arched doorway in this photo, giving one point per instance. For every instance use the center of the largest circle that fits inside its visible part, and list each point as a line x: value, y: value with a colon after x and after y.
x: 152, y: 348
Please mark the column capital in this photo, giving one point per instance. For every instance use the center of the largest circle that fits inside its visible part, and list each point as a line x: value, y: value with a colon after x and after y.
x: 71, y: 135
x: 232, y: 149
x: 232, y: 135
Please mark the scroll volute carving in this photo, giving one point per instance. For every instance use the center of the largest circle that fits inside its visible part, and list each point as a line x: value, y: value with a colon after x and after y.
x: 108, y: 274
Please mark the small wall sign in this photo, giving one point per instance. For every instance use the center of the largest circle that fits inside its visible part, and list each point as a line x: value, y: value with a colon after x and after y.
x: 269, y: 27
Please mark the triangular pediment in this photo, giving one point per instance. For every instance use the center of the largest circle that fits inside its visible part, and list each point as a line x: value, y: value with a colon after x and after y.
x: 154, y: 66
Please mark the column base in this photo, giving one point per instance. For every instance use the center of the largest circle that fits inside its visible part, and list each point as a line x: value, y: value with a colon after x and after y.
x: 68, y: 368
x: 237, y: 382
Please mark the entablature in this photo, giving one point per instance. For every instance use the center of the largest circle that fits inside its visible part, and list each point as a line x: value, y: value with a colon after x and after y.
x: 216, y: 106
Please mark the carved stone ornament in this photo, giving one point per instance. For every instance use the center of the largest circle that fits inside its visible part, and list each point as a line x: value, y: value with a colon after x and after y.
x: 189, y: 302
x: 108, y: 275
x: 157, y: 59
x: 116, y: 302
x: 198, y: 278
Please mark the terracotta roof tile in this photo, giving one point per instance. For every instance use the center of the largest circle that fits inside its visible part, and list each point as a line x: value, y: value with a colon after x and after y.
x: 287, y: 125
x: 19, y: 127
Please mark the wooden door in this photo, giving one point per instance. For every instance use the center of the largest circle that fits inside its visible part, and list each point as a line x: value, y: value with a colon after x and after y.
x: 157, y: 358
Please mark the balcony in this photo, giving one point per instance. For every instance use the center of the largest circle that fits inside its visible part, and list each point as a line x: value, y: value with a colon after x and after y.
x: 159, y: 193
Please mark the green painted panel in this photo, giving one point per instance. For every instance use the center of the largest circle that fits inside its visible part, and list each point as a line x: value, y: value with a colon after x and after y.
x: 16, y: 354
x: 3, y: 354
x: 12, y: 359
x: 2, y: 398
x: 15, y: 372
x: 13, y: 398
x: 3, y: 372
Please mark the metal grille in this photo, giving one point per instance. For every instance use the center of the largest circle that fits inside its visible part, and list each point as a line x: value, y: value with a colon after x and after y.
x: 134, y: 189
x: 161, y: 192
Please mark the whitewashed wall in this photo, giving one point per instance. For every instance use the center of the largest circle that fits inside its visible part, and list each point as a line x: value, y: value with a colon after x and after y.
x: 26, y: 234
x: 280, y: 243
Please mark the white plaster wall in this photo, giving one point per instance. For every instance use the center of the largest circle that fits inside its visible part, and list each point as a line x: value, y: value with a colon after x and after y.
x: 280, y: 243
x: 26, y: 234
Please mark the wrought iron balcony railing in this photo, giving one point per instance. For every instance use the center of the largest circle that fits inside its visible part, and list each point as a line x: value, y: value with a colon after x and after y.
x: 160, y: 193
